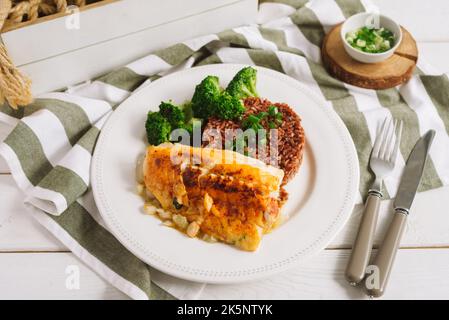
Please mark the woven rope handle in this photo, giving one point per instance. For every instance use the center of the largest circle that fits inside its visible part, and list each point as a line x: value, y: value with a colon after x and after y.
x: 15, y: 87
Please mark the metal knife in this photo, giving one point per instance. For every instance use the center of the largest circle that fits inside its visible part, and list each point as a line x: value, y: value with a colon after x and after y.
x: 404, y: 198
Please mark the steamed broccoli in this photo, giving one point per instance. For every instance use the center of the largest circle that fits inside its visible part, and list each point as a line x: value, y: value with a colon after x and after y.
x: 243, y: 85
x: 209, y: 100
x: 158, y: 128
x: 159, y: 125
x: 172, y: 113
x: 228, y: 107
x: 205, y: 97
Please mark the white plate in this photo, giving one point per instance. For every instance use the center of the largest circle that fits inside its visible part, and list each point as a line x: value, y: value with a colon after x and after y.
x: 322, y: 194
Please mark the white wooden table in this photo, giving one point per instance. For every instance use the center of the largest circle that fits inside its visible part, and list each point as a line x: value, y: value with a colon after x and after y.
x: 33, y: 264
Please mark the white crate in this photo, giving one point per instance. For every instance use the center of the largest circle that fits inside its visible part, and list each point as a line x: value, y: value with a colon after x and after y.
x: 114, y: 34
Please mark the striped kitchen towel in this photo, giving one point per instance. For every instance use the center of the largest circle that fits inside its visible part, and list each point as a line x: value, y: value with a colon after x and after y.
x: 50, y: 150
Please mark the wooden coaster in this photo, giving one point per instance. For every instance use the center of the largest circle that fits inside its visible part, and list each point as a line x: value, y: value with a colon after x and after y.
x: 383, y: 75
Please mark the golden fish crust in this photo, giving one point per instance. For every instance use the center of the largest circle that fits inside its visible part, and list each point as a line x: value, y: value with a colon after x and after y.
x: 233, y: 198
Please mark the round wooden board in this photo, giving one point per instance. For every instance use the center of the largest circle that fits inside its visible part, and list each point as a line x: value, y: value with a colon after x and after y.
x: 383, y: 75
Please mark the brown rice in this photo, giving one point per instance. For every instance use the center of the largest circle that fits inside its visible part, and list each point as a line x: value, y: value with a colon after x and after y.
x: 291, y: 138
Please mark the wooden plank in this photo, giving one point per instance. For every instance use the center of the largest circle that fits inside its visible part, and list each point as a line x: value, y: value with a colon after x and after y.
x: 102, y: 23
x: 43, y: 276
x: 435, y: 54
x: 5, y: 129
x: 427, y: 226
x: 19, y: 231
x: 88, y: 62
x: 3, y: 166
x: 418, y: 274
x: 426, y: 20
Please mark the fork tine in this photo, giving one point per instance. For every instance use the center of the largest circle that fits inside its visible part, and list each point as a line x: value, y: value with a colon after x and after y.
x: 397, y: 143
x: 378, y: 141
x: 385, y: 140
x: 391, y: 141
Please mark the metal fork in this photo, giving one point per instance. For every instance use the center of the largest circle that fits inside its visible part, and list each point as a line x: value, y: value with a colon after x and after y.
x: 382, y: 162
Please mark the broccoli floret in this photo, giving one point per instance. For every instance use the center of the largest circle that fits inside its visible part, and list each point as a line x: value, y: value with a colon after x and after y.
x: 205, y: 97
x: 210, y: 101
x: 228, y: 107
x: 188, y: 112
x: 172, y: 113
x: 158, y: 128
x: 243, y: 85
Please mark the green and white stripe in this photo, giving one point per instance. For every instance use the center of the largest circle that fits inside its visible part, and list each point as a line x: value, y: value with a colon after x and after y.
x: 50, y: 150
x: 419, y: 100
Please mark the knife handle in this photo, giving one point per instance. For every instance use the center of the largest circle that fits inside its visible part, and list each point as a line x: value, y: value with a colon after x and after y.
x: 361, y: 250
x: 387, y: 252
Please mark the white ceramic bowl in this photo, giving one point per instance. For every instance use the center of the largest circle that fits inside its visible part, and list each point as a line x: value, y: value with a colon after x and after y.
x: 363, y: 19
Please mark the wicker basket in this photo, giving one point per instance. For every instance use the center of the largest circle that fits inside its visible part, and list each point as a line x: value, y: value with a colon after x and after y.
x: 24, y: 12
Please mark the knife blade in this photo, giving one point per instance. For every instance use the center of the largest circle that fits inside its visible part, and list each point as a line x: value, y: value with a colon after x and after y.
x: 413, y: 172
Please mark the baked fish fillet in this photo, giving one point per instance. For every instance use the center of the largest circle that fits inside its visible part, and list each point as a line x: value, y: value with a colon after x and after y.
x: 230, y: 197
